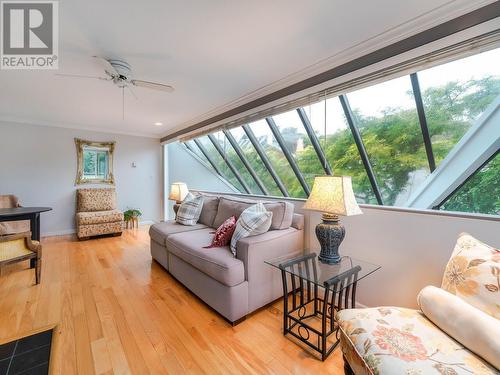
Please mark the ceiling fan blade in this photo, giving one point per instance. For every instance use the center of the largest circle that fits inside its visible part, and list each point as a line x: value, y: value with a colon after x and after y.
x: 152, y: 85
x: 81, y: 76
x: 108, y: 68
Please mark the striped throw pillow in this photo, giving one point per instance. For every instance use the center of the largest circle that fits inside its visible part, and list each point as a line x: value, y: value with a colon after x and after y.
x: 190, y: 210
x: 253, y: 221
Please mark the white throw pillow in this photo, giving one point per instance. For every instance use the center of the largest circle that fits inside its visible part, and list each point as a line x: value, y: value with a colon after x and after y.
x: 190, y: 210
x: 473, y: 328
x: 253, y: 221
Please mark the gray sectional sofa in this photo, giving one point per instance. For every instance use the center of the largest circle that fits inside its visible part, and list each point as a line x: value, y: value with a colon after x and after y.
x: 232, y: 286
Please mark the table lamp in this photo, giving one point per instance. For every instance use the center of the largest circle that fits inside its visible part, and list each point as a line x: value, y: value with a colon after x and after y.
x: 178, y: 192
x: 333, y: 196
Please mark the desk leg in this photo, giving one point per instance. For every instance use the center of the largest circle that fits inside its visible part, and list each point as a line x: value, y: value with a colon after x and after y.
x: 35, y: 233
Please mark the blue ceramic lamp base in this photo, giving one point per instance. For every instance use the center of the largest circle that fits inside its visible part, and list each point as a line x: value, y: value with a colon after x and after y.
x: 330, y: 234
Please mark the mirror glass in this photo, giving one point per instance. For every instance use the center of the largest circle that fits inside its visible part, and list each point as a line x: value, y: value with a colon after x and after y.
x: 95, y: 162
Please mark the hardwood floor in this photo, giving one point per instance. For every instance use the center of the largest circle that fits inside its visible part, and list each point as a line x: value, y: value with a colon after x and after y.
x: 118, y: 312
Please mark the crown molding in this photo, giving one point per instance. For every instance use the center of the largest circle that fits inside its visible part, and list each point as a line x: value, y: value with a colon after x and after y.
x: 9, y: 120
x: 423, y: 22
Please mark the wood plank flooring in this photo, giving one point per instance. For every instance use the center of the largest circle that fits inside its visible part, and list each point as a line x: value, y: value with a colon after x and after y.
x: 119, y: 312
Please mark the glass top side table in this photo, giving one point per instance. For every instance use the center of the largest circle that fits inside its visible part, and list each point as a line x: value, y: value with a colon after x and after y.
x: 313, y: 292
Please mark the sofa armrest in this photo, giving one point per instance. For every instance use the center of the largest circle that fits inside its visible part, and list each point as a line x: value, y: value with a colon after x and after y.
x: 254, y: 250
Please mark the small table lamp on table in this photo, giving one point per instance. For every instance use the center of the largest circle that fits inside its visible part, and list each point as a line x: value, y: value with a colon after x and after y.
x: 178, y: 192
x: 333, y: 196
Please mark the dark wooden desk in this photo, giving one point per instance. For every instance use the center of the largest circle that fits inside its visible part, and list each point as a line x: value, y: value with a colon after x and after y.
x: 25, y: 213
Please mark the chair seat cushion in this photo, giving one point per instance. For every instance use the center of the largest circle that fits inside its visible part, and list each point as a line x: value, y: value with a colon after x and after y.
x: 393, y: 340
x: 216, y: 262
x: 160, y: 231
x: 99, y: 217
x: 13, y: 249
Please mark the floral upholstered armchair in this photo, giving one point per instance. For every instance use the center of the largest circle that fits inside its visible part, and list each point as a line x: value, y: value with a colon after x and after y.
x: 456, y: 330
x: 96, y: 213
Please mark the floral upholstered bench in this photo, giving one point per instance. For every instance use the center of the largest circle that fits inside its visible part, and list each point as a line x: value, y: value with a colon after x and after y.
x: 457, y: 330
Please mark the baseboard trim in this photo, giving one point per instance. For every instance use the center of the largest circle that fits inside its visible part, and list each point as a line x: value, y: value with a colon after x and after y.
x: 63, y: 232
x: 66, y: 232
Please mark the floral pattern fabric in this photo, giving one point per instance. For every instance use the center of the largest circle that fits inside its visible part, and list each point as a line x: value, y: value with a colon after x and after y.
x: 473, y: 274
x: 99, y: 199
x: 84, y: 231
x: 99, y: 217
x: 393, y: 340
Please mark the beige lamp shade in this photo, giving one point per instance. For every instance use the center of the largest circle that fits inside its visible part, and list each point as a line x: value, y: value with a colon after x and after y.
x: 178, y: 191
x: 333, y: 195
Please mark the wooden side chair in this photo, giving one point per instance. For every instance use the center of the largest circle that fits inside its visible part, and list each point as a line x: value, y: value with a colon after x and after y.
x: 19, y: 247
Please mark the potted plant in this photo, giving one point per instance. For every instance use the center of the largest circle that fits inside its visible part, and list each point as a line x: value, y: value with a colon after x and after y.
x: 131, y: 217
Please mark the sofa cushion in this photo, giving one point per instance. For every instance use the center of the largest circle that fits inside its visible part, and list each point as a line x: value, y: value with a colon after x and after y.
x: 217, y: 262
x: 98, y: 217
x: 100, y: 199
x: 472, y: 274
x: 229, y: 206
x: 473, y: 328
x: 160, y: 231
x: 391, y: 340
x: 209, y: 210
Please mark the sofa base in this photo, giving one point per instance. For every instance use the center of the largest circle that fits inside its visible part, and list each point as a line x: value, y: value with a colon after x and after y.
x: 159, y: 253
x: 230, y: 302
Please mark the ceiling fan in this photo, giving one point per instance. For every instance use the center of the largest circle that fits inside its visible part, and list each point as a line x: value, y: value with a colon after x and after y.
x: 120, y: 73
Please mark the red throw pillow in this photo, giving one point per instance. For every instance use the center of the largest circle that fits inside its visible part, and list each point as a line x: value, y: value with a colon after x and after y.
x: 223, y: 234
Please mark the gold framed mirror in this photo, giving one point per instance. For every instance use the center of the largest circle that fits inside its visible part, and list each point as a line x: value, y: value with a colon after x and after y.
x: 94, y: 162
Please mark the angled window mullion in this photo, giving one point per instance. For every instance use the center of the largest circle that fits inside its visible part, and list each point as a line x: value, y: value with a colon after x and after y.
x: 423, y: 121
x: 288, y: 154
x: 207, y: 156
x: 314, y: 141
x: 361, y: 147
x: 265, y: 160
x: 229, y: 163
x: 245, y: 162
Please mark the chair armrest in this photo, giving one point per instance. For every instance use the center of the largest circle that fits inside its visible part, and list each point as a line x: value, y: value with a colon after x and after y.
x: 254, y: 250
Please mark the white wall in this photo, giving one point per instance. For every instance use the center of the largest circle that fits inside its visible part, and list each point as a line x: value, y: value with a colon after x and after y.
x: 38, y: 164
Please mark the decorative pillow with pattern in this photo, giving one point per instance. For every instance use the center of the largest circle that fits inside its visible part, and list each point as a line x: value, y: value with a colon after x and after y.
x: 190, y: 210
x: 223, y: 234
x: 253, y: 221
x: 473, y: 274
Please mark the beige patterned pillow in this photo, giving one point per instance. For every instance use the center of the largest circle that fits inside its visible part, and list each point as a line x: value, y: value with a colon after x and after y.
x: 473, y: 274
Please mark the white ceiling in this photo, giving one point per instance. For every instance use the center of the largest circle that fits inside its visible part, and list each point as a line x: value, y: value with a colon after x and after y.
x: 212, y: 52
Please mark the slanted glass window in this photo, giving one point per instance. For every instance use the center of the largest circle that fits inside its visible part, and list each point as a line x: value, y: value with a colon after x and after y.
x: 221, y: 163
x: 191, y: 146
x: 298, y: 143
x: 277, y: 158
x: 255, y: 162
x: 388, y: 122
x: 340, y: 149
x: 480, y: 193
x: 456, y: 94
x: 231, y: 155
